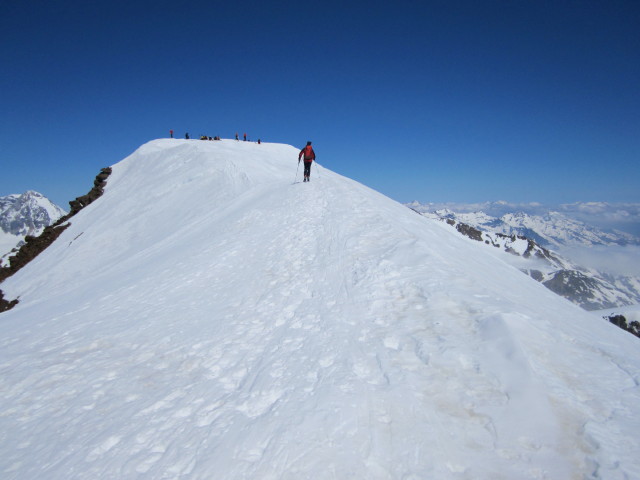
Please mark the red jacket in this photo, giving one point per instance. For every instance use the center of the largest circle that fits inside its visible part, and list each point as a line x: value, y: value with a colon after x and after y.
x: 309, y: 154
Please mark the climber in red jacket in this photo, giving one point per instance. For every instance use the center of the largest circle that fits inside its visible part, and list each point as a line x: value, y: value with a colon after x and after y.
x: 309, y: 156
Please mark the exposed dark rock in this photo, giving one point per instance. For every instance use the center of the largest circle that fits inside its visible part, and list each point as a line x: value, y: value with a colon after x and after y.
x: 536, y: 275
x: 579, y: 288
x: 5, y: 304
x: 33, y: 246
x: 31, y: 249
x: 531, y: 247
x: 466, y: 230
x: 95, y: 193
x: 469, y: 231
x: 621, y: 321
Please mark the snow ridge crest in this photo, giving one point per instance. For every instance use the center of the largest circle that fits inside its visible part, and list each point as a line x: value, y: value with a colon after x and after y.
x: 210, y: 317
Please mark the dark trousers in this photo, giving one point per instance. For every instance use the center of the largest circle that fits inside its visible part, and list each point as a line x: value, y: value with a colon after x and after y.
x: 307, y: 169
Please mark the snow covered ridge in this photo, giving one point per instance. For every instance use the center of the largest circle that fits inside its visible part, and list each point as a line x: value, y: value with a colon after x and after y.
x: 207, y: 317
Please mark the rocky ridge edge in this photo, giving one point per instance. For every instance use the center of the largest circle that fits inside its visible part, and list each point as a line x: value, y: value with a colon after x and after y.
x: 33, y: 246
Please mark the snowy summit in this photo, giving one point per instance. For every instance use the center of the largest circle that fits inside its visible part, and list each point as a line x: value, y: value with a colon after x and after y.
x: 207, y: 317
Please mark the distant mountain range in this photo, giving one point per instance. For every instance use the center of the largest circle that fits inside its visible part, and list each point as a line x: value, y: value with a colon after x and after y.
x: 552, y: 229
x: 576, y: 224
x: 532, y: 240
x: 24, y: 214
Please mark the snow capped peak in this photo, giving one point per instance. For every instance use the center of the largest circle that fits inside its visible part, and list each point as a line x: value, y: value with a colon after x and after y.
x: 209, y: 317
x: 32, y: 193
x: 558, y: 229
x: 24, y: 214
x: 27, y: 213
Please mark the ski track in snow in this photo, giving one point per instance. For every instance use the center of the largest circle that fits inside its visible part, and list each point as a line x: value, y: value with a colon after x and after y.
x: 300, y: 331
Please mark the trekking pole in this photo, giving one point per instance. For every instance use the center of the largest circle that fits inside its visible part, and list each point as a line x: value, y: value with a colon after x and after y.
x: 294, y: 180
x: 317, y: 170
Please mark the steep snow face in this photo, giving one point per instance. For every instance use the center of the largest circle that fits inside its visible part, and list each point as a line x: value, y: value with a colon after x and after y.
x: 207, y: 317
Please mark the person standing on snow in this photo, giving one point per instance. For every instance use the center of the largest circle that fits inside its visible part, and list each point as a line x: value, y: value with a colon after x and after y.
x: 309, y: 156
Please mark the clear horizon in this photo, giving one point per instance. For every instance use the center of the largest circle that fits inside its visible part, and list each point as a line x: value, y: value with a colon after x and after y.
x: 433, y: 102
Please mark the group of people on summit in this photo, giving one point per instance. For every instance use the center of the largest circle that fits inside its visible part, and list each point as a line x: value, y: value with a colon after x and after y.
x: 307, y: 154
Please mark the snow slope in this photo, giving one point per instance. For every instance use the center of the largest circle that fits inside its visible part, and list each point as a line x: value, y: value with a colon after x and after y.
x: 208, y: 318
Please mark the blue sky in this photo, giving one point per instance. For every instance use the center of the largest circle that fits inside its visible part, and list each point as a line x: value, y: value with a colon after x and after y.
x: 433, y: 101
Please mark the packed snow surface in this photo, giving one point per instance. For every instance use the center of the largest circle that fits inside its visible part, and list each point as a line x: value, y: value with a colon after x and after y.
x: 208, y: 317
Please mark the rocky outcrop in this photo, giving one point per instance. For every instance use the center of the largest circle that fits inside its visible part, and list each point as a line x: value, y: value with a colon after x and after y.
x: 620, y: 321
x: 469, y: 231
x: 96, y: 192
x: 33, y: 246
x: 587, y: 291
x: 5, y: 304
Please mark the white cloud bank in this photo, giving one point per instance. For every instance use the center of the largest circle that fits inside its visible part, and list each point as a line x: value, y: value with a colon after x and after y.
x: 615, y: 260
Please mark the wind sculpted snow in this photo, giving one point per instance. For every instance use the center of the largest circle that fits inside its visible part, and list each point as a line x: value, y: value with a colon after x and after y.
x: 210, y: 318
